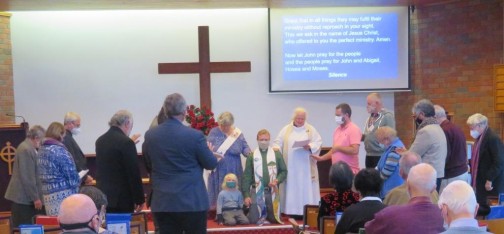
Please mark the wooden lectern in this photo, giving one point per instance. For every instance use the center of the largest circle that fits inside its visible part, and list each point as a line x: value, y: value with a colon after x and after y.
x: 10, y: 137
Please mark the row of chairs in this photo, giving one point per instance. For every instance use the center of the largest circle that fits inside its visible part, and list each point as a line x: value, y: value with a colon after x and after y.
x: 327, y: 224
x: 138, y: 224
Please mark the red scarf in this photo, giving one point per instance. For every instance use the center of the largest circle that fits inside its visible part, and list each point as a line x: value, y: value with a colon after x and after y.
x: 475, y: 158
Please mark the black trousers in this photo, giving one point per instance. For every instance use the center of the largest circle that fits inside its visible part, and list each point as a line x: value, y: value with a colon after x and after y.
x: 253, y: 214
x: 372, y: 161
x: 23, y: 214
x: 182, y: 222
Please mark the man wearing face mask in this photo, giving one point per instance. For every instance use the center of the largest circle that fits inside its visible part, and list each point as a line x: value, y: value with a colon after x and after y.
x: 78, y: 214
x: 487, y: 161
x: 379, y: 117
x: 72, y: 122
x: 430, y: 140
x: 260, y: 188
x: 117, y: 171
x: 346, y: 140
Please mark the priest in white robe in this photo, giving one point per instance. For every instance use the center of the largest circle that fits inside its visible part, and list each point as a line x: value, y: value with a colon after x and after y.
x: 297, y: 140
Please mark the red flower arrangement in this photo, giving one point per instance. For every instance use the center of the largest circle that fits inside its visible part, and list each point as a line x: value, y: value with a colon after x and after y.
x: 200, y: 119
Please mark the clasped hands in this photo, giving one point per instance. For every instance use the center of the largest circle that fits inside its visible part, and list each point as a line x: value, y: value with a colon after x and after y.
x: 248, y: 201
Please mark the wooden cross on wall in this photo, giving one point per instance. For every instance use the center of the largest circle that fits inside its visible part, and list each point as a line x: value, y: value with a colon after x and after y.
x: 204, y: 67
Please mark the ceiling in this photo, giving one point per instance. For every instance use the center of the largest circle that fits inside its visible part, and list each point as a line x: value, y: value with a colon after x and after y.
x: 45, y: 5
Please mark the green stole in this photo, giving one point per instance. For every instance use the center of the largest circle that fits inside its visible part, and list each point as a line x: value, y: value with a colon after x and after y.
x: 258, y: 175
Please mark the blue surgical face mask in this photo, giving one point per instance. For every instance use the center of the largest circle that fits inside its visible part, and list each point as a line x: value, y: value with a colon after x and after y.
x: 381, y: 145
x: 231, y: 184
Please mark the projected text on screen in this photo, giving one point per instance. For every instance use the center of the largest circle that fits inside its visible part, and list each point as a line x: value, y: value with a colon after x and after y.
x: 352, y: 46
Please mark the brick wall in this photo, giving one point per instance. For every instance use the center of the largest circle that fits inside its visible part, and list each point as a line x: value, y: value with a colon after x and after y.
x: 6, y: 84
x: 453, y: 47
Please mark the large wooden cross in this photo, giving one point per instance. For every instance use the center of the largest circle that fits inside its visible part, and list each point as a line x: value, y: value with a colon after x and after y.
x: 204, y: 67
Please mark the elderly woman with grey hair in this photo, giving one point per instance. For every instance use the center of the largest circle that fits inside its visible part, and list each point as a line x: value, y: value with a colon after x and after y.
x: 228, y: 141
x: 487, y: 161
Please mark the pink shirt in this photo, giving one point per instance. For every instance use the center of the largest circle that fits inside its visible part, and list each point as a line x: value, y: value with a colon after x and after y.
x: 346, y: 136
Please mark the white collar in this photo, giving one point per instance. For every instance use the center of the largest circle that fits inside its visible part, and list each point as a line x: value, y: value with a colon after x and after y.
x: 370, y: 198
x: 464, y: 222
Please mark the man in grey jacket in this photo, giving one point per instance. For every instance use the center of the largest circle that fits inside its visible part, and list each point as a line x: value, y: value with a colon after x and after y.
x: 430, y: 140
x: 24, y: 186
x: 378, y: 117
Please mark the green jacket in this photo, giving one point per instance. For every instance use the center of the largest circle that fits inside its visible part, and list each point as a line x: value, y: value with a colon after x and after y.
x: 248, y: 175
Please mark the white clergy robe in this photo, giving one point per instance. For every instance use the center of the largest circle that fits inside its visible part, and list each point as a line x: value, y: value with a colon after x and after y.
x: 302, y: 184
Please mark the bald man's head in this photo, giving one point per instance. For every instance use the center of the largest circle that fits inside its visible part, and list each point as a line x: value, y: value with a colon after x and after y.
x: 421, y: 180
x: 78, y: 212
x: 407, y: 161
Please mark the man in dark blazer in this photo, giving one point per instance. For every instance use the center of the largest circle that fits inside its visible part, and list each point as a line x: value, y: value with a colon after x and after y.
x: 117, y: 172
x: 487, y: 162
x: 178, y: 154
x: 72, y: 123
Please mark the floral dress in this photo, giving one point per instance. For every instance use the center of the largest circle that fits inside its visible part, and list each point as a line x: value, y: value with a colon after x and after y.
x: 336, y: 202
x: 231, y: 163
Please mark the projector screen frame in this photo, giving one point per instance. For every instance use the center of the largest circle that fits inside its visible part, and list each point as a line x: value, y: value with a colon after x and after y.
x: 290, y: 91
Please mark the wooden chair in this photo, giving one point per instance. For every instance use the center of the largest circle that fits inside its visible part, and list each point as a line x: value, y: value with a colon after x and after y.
x: 140, y: 218
x: 310, y: 215
x: 328, y: 225
x: 6, y: 224
x: 494, y: 225
x: 136, y: 227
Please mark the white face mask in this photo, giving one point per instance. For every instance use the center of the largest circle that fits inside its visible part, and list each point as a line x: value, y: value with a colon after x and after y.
x: 475, y: 134
x: 263, y: 145
x: 339, y: 120
x: 75, y: 131
x: 381, y: 145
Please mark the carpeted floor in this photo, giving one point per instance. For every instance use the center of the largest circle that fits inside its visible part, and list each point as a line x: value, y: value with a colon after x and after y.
x: 215, y: 228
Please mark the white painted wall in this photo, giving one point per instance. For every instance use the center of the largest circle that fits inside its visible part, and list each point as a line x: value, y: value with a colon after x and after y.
x: 97, y: 62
